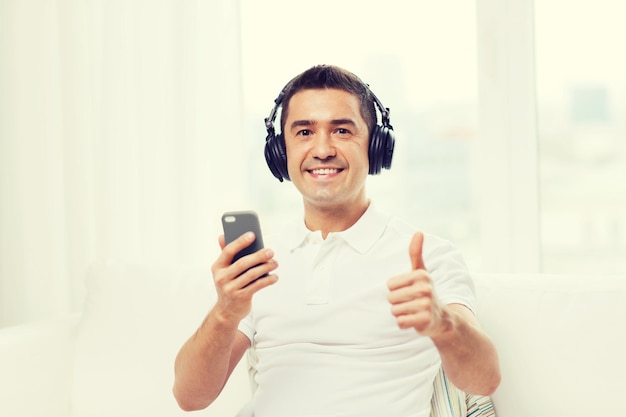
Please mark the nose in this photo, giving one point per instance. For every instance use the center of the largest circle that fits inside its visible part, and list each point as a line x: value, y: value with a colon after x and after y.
x: 323, y: 147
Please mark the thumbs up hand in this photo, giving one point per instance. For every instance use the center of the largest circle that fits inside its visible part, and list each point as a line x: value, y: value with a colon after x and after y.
x: 412, y: 295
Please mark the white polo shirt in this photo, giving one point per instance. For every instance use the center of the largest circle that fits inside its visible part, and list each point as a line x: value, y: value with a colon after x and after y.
x: 325, y: 340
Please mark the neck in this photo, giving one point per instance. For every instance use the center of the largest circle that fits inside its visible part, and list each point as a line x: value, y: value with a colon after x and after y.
x: 333, y: 218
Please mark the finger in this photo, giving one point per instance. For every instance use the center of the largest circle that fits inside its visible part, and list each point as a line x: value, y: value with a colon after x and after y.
x: 229, y: 251
x: 222, y: 241
x: 258, y: 277
x: 408, y: 279
x: 246, y: 270
x: 411, y: 306
x: 420, y: 287
x: 415, y: 251
x: 248, y: 262
x: 420, y: 321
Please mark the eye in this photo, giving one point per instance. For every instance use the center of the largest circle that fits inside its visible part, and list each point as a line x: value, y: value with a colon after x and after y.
x: 303, y: 132
x: 343, y: 132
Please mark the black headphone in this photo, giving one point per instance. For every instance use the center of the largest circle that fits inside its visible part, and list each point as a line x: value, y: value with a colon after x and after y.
x: 380, y: 152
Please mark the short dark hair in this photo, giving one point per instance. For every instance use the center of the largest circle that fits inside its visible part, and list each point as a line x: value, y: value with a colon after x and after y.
x: 329, y: 76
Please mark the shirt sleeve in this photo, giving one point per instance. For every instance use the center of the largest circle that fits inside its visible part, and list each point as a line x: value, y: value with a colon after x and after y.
x: 246, y: 326
x: 444, y: 262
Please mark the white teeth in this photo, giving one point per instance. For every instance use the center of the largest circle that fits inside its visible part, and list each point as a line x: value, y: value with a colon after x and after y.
x: 325, y: 171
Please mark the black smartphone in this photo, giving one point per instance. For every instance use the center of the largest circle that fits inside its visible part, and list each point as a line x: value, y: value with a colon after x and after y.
x: 236, y: 223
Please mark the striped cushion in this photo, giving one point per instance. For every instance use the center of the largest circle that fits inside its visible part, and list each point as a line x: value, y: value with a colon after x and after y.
x: 449, y: 401
x: 479, y: 406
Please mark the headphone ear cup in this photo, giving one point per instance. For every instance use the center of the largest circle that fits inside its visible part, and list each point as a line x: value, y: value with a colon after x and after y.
x: 381, y: 146
x: 276, y: 156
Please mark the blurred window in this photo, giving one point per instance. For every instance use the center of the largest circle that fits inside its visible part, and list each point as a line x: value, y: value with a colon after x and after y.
x: 581, y: 94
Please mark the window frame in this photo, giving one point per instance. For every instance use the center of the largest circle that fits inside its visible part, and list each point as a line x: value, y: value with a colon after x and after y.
x: 506, y: 158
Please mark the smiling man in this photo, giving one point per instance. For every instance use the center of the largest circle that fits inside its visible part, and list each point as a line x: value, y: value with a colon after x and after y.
x: 367, y: 308
x: 327, y: 146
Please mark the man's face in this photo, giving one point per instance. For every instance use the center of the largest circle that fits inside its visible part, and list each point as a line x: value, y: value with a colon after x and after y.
x: 326, y: 141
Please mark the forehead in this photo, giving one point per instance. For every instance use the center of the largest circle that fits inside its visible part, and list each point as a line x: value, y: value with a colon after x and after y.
x: 324, y: 104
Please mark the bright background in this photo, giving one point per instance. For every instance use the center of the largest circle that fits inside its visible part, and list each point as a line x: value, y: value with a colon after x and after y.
x: 128, y: 127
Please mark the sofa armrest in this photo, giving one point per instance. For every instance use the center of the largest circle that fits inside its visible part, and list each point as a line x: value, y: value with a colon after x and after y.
x: 36, y: 362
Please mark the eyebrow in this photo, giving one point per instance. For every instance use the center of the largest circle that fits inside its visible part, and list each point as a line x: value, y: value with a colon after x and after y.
x: 298, y: 123
x: 343, y: 122
x: 334, y: 122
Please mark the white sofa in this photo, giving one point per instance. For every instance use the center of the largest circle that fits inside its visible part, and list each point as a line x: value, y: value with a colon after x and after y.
x: 561, y: 341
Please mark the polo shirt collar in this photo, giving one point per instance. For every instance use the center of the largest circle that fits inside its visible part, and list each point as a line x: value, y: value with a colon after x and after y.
x: 361, y: 236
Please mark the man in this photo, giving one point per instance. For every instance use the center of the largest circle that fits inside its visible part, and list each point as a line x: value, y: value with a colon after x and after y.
x: 366, y: 310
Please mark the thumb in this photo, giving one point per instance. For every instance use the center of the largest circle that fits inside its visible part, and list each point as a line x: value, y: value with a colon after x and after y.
x: 415, y: 251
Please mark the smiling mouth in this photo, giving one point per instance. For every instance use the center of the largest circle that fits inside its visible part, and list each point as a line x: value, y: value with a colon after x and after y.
x: 325, y: 171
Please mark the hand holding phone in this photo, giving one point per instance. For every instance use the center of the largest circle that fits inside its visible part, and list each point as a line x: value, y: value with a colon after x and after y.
x: 237, y: 223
